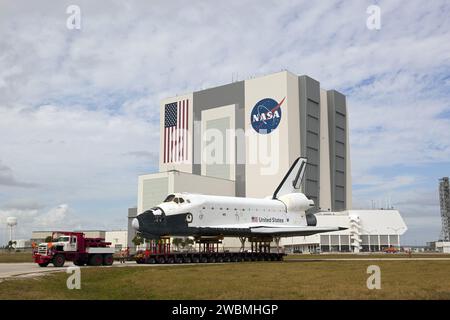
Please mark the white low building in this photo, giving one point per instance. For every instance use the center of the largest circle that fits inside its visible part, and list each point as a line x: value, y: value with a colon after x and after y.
x: 442, y: 246
x: 367, y: 231
x: 118, y: 239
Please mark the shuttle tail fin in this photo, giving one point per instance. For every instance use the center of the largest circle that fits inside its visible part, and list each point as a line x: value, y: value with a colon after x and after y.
x: 292, y: 180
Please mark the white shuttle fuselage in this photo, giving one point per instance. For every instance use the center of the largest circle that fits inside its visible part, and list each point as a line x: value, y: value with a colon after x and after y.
x: 283, y: 214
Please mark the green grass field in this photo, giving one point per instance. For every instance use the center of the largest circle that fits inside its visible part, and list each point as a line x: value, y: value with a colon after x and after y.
x: 255, y: 280
x: 14, y: 257
x: 365, y: 255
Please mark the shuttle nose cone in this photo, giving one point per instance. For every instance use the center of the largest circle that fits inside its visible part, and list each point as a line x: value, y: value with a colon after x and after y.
x: 135, y: 224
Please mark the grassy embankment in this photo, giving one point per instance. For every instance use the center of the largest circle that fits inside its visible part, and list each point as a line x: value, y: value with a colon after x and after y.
x: 255, y: 280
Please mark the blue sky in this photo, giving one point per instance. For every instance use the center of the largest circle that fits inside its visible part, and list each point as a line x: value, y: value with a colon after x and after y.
x: 79, y: 113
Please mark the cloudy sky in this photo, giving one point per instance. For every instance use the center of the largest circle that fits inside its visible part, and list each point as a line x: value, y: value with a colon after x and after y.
x: 79, y: 108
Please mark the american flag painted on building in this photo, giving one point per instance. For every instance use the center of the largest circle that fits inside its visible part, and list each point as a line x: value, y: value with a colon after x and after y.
x: 176, y: 125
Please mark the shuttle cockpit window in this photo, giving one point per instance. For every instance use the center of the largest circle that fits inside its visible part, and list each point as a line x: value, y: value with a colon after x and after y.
x: 170, y: 198
x: 179, y: 200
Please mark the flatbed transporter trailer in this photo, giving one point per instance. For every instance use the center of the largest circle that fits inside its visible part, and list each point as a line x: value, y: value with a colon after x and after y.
x: 159, y: 252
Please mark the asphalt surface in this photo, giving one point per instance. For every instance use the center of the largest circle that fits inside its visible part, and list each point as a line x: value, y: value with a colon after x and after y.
x: 29, y: 269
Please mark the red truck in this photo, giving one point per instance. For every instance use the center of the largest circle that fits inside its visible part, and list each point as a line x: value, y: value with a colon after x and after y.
x: 73, y: 246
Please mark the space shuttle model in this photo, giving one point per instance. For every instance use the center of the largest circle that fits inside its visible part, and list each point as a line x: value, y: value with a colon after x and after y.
x: 281, y: 215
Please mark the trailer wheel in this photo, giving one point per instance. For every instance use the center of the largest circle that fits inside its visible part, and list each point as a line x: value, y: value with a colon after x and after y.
x: 59, y: 260
x: 79, y: 263
x: 170, y: 260
x: 95, y: 260
x: 43, y: 265
x: 161, y: 260
x: 108, y: 259
x: 187, y: 260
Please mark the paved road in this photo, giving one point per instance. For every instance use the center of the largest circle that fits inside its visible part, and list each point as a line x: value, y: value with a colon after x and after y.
x: 29, y: 269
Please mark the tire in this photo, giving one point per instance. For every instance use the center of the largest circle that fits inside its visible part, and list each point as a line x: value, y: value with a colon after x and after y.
x: 43, y: 265
x: 108, y: 260
x: 59, y: 260
x: 79, y: 263
x: 187, y: 260
x: 95, y: 260
x: 161, y: 260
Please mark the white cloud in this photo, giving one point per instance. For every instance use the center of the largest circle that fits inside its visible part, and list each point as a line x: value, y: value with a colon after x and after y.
x: 57, y: 218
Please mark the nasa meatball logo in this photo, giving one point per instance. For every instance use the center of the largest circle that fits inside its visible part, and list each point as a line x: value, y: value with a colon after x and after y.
x: 266, y: 115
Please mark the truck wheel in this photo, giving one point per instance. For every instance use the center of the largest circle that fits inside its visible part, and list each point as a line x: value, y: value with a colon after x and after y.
x: 59, y: 260
x: 43, y: 265
x: 95, y: 260
x: 108, y: 260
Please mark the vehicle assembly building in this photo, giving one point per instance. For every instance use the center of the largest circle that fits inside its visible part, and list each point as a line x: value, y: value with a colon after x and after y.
x: 239, y: 140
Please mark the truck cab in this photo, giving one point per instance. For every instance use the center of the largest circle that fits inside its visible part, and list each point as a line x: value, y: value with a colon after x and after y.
x: 73, y: 246
x: 65, y: 243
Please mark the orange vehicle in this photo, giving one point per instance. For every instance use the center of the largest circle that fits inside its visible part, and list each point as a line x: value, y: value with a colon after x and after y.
x: 391, y: 250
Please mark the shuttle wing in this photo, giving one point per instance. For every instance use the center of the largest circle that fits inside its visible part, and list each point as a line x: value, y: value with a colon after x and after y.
x: 293, y: 231
x: 274, y: 230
